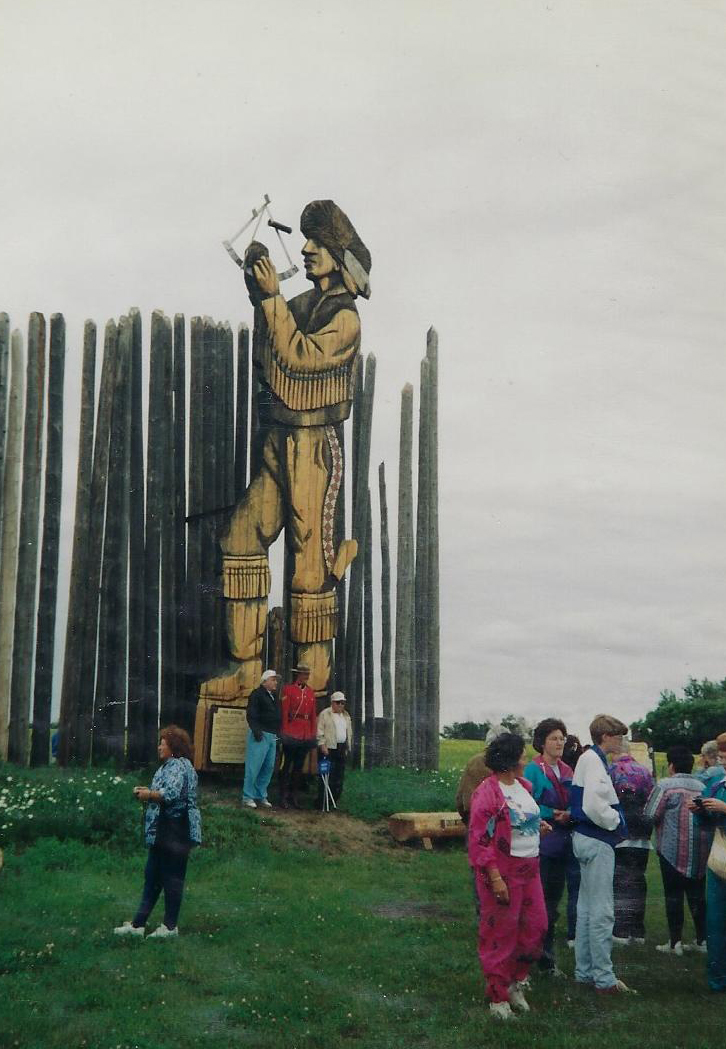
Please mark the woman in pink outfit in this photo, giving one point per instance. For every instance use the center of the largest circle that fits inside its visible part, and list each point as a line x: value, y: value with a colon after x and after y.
x: 504, y: 833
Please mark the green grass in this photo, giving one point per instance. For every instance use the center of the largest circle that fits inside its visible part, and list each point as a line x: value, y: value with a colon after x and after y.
x: 288, y: 945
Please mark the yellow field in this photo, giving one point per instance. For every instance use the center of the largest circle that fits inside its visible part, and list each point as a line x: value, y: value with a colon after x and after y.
x: 455, y: 753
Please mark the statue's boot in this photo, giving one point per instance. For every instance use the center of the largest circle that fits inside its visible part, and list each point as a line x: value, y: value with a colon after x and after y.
x: 313, y: 625
x: 246, y: 582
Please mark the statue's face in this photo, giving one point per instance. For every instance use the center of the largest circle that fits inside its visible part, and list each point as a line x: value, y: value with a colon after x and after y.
x: 319, y: 262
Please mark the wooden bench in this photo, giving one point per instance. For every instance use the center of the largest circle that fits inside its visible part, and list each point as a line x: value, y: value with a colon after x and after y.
x: 403, y: 826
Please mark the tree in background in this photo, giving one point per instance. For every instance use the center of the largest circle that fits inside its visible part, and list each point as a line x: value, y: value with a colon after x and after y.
x: 466, y: 730
x: 696, y: 716
x: 487, y: 730
x: 517, y: 724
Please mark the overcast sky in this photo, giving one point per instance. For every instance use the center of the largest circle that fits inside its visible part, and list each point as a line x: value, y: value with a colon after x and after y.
x: 542, y: 181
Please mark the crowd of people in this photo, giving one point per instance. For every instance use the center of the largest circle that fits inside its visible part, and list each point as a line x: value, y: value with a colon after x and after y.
x: 581, y: 819
x: 574, y: 819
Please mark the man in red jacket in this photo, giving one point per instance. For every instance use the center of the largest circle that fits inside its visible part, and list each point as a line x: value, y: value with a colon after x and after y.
x: 298, y: 733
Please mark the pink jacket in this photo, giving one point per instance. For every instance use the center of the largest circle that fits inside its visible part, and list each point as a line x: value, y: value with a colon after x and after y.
x: 490, y: 828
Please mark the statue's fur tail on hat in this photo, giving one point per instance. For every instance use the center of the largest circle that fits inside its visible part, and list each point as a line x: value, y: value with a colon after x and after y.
x: 325, y: 223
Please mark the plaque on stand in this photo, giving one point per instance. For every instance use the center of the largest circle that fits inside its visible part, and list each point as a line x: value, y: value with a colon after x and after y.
x: 220, y: 738
x: 228, y: 742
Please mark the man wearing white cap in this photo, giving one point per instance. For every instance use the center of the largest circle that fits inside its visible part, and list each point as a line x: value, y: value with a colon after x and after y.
x: 263, y: 721
x: 335, y: 737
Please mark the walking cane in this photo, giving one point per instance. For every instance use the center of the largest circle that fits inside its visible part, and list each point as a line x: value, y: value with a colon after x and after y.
x: 324, y: 772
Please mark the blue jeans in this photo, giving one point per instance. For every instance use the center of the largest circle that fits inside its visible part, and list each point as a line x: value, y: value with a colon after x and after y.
x: 716, y: 931
x: 595, y: 911
x: 259, y: 765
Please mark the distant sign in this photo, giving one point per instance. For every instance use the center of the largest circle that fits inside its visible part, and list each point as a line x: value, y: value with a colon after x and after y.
x: 229, y: 736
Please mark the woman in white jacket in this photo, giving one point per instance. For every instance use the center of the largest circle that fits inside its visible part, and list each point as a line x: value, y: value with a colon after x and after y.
x: 598, y: 827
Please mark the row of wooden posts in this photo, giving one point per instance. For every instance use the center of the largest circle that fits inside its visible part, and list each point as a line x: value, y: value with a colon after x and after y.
x: 145, y: 613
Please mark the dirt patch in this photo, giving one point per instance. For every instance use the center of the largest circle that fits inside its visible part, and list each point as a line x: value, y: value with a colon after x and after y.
x: 331, y: 834
x: 411, y: 909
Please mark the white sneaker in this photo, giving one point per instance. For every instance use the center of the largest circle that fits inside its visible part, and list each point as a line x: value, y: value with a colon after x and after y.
x: 665, y: 948
x: 517, y: 999
x: 640, y: 940
x: 162, y: 933
x: 127, y: 929
x: 622, y: 940
x: 249, y: 803
x: 265, y: 803
x: 571, y: 944
x: 696, y: 946
x: 501, y: 1010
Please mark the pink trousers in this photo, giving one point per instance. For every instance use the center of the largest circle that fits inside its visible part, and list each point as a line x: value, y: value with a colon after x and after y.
x: 511, y: 937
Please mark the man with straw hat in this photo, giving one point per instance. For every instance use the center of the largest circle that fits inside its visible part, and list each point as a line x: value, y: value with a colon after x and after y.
x: 298, y: 733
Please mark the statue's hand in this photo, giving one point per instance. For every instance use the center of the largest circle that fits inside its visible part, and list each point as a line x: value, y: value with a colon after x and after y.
x: 266, y: 277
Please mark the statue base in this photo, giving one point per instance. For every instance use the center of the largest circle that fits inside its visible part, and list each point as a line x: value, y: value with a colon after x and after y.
x: 220, y: 726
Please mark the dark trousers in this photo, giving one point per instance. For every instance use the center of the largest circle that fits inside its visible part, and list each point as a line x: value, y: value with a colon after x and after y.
x: 337, y: 773
x: 572, y: 875
x: 555, y: 872
x: 165, y: 869
x: 675, y: 885
x: 293, y: 759
x: 629, y: 890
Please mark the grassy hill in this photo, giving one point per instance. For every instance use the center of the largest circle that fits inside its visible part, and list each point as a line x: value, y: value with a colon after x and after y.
x: 297, y: 929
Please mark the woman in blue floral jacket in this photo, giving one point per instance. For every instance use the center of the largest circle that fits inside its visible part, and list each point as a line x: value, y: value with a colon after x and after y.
x: 172, y: 825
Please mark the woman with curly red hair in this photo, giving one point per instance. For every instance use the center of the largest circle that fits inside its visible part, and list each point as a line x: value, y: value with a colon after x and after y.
x: 172, y: 825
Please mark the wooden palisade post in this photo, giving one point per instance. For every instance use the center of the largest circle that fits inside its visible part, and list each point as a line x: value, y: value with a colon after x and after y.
x: 28, y: 544
x: 185, y: 708
x: 355, y: 596
x: 73, y: 660
x: 432, y: 352
x: 404, y: 585
x: 48, y: 592
x: 4, y: 377
x: 368, y: 660
x: 81, y: 747
x: 135, y: 717
x: 421, y: 580
x: 385, y: 740
x: 10, y: 522
x: 110, y: 706
x: 194, y: 529
x: 168, y: 608
x: 156, y: 447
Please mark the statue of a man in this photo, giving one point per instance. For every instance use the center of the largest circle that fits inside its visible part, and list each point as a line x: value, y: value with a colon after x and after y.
x: 306, y: 357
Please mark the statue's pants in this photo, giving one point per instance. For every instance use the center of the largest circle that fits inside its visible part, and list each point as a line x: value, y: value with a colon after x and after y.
x: 295, y: 489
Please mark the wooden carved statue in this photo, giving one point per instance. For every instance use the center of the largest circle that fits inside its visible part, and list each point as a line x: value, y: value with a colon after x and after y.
x: 306, y: 352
